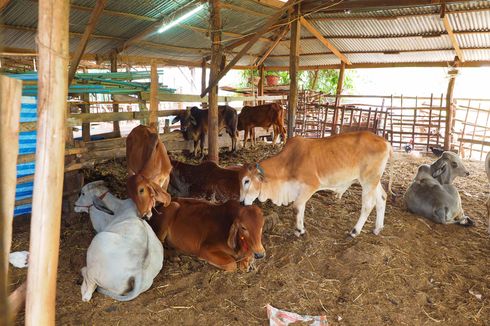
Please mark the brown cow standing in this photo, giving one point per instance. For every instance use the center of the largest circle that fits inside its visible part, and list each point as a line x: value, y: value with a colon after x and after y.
x: 148, y: 169
x: 265, y: 116
x: 228, y: 236
x: 206, y: 180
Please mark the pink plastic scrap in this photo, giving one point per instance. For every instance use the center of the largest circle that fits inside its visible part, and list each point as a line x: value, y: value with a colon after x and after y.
x: 278, y: 317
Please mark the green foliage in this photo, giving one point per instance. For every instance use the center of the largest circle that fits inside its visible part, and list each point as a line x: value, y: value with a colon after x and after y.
x: 326, y: 80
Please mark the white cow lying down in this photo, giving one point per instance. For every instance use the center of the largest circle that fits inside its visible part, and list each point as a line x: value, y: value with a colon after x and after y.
x: 124, y: 258
x: 84, y: 203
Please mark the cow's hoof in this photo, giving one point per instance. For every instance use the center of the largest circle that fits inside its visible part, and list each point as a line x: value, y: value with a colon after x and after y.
x: 377, y: 231
x: 299, y: 232
x: 467, y: 221
x: 353, y: 233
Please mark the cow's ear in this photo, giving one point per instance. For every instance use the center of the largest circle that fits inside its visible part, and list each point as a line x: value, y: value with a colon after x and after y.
x: 440, y: 170
x: 159, y: 194
x: 100, y: 205
x: 193, y: 120
x: 233, y: 235
x: 176, y: 119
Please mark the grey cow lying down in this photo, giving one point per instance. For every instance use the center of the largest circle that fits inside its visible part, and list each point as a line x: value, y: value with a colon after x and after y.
x: 123, y: 258
x: 433, y: 195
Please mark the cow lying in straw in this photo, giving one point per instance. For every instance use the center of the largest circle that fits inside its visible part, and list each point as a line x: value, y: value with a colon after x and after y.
x: 124, y: 258
x: 227, y: 235
x: 305, y: 166
x: 432, y: 193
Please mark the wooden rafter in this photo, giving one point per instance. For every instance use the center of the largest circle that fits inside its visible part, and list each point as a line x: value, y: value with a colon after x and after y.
x: 244, y: 10
x: 271, y: 21
x: 206, y: 31
x: 77, y: 56
x: 3, y: 4
x: 324, y: 41
x: 452, y: 37
x: 271, y: 48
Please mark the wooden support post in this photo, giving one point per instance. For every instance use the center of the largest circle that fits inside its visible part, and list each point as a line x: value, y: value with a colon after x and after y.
x: 11, y: 90
x: 340, y: 85
x: 85, y: 109
x: 50, y: 155
x: 154, y: 97
x: 449, y: 106
x: 115, y: 106
x: 293, y: 70
x: 261, y: 84
x: 77, y: 56
x: 203, y: 80
x: 216, y: 57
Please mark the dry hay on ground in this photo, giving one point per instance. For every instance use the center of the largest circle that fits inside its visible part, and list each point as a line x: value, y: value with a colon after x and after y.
x: 414, y: 273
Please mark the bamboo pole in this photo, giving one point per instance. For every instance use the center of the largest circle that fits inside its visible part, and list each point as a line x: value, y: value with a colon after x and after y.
x: 261, y: 84
x: 115, y: 106
x: 449, y: 113
x: 50, y: 151
x: 216, y: 57
x: 293, y: 70
x: 340, y: 84
x: 10, y: 103
x: 154, y: 98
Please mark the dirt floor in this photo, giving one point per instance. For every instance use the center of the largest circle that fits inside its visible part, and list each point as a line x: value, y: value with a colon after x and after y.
x: 414, y: 273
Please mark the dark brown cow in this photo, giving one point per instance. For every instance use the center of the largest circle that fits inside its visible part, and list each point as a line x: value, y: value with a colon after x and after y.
x: 148, y: 169
x: 228, y: 236
x: 194, y: 125
x: 206, y: 180
x: 265, y: 116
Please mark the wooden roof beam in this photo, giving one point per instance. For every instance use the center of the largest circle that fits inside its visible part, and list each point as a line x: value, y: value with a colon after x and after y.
x: 82, y: 45
x: 449, y: 30
x: 271, y: 21
x: 3, y: 4
x: 271, y: 48
x: 324, y: 41
x: 206, y: 31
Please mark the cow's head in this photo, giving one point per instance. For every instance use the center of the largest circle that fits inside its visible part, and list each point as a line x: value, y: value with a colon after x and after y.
x: 448, y: 167
x: 251, y: 179
x: 145, y: 194
x: 187, y: 121
x: 88, y: 193
x: 246, y: 231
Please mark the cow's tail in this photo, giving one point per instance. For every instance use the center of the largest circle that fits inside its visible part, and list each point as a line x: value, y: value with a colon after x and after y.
x: 392, y: 167
x: 137, y: 283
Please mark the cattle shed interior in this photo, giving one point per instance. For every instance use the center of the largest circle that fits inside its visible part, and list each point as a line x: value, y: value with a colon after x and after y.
x: 67, y: 66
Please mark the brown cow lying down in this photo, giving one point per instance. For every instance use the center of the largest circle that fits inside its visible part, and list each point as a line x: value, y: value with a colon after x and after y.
x: 206, y: 180
x: 148, y: 169
x: 305, y: 166
x: 227, y: 236
x: 265, y: 116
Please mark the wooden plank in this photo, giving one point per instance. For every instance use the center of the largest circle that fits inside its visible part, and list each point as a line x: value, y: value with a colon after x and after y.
x: 77, y: 56
x: 10, y: 104
x: 69, y: 151
x: 293, y: 71
x: 154, y: 98
x: 452, y: 37
x: 50, y: 155
x: 271, y: 48
x: 216, y: 59
x: 166, y: 97
x: 324, y: 41
x: 273, y: 19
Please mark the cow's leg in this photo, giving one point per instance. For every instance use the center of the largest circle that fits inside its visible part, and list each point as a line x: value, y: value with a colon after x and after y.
x: 368, y: 202
x: 203, y: 137
x: 248, y: 132
x: 299, y: 206
x: 380, y: 209
x: 195, y: 148
x: 253, y: 137
x: 488, y: 213
x: 218, y: 258
x: 88, y: 285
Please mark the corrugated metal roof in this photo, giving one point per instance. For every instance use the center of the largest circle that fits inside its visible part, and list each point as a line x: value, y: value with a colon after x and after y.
x: 361, y: 31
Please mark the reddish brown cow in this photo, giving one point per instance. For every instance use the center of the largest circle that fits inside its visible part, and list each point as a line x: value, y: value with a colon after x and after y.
x: 148, y: 169
x: 228, y: 236
x: 265, y: 116
x: 206, y: 180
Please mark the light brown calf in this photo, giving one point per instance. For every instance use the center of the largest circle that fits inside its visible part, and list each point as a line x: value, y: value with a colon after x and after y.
x: 264, y: 116
x: 148, y: 169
